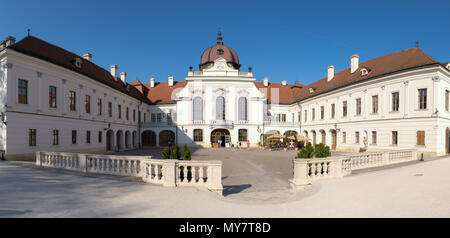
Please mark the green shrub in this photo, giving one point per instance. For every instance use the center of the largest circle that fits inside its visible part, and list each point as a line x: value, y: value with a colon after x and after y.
x: 307, y: 152
x: 175, y: 152
x: 165, y: 154
x: 322, y: 151
x: 186, y: 153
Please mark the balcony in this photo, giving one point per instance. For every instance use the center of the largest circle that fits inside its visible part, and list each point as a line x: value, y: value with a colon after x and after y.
x: 221, y: 124
x: 242, y: 122
x: 198, y: 122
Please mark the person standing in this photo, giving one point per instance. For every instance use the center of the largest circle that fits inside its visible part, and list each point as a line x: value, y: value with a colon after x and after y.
x: 248, y: 144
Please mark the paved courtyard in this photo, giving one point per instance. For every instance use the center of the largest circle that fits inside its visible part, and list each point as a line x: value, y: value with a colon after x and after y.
x: 420, y: 189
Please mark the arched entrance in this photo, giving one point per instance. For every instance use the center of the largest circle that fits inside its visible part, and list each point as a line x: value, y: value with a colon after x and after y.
x: 314, y: 137
x: 148, y: 138
x: 324, y: 137
x: 119, y: 138
x: 109, y: 140
x: 127, y: 139
x: 220, y: 138
x: 290, y: 133
x: 166, y: 138
x: 333, y: 139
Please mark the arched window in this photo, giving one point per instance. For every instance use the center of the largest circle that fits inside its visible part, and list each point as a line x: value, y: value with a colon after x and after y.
x: 220, y: 108
x: 197, y: 109
x: 242, y: 109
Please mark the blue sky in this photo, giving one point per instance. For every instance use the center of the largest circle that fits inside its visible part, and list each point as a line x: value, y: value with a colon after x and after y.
x: 290, y: 40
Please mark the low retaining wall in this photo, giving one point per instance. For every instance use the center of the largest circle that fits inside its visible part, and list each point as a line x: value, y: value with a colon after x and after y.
x: 306, y: 171
x: 205, y: 174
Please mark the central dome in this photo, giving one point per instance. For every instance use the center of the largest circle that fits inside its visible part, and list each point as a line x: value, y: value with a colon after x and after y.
x: 219, y: 51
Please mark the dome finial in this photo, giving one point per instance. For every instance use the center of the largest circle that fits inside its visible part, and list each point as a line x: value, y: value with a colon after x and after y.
x: 219, y: 38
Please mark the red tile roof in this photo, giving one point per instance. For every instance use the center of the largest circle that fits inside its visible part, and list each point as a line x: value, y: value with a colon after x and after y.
x: 38, y: 48
x: 277, y: 93
x: 161, y: 93
x: 384, y: 65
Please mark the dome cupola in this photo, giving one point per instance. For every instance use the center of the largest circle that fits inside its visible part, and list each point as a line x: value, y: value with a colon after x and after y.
x: 219, y: 51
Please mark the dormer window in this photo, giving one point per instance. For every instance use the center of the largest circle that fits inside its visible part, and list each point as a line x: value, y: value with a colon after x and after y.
x: 448, y: 66
x: 77, y: 62
x: 311, y: 90
x: 220, y: 52
x: 365, y: 71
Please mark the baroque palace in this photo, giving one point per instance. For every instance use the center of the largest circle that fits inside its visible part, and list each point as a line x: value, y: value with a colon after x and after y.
x: 54, y: 100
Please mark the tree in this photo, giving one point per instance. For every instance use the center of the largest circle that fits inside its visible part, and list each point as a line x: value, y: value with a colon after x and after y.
x: 306, y: 152
x: 186, y: 153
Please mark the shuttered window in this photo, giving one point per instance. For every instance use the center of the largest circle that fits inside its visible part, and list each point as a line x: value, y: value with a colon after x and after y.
x: 197, y: 105
x: 420, y: 137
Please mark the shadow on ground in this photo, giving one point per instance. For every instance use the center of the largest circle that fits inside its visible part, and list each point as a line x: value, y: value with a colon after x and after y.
x: 228, y: 190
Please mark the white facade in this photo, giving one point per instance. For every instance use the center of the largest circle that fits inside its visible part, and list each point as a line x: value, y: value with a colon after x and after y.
x: 246, y: 112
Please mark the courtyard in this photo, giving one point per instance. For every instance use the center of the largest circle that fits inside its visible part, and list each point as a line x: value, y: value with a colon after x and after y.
x: 255, y: 185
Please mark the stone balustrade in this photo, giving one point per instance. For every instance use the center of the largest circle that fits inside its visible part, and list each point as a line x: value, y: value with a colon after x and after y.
x: 307, y: 171
x: 172, y: 173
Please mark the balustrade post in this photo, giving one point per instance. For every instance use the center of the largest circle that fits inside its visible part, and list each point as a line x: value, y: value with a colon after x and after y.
x: 336, y: 171
x: 385, y: 158
x: 414, y: 155
x: 301, y: 177
x: 169, y: 171
x: 214, y: 177
x: 38, y: 158
x: 83, y: 167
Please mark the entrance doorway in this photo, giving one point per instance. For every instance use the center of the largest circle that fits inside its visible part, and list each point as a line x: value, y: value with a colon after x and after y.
x: 447, y: 140
x: 333, y: 139
x: 220, y: 138
x: 166, y: 138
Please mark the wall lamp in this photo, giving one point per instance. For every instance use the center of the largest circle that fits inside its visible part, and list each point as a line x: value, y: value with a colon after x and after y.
x: 109, y: 127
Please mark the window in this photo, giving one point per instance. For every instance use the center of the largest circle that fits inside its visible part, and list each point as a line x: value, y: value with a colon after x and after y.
x: 242, y: 134
x: 169, y: 117
x: 357, y: 137
x: 358, y: 106
x: 87, y: 104
x: 52, y: 96
x: 99, y: 106
x: 32, y: 137
x: 420, y: 137
x: 99, y: 137
x: 344, y: 137
x: 158, y: 117
x: 55, y: 137
x: 322, y: 112
x: 88, y: 137
x: 283, y: 117
x: 72, y: 95
x: 423, y: 98
x: 374, y: 137
x: 153, y: 117
x: 134, y: 114
x: 23, y: 91
x: 395, y: 101
x: 119, y: 111
x: 74, y: 137
x: 306, y: 115
x: 110, y: 109
x: 333, y: 110
x: 344, y: 108
x: 198, y: 135
x: 395, y: 137
x: 127, y: 114
x: 375, y: 104
x: 447, y: 100
x: 313, y: 114
x: 220, y: 108
x: 242, y: 108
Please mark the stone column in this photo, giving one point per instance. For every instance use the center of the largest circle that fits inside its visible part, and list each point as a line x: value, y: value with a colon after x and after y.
x: 300, y: 180
x: 170, y: 171
x: 214, y: 175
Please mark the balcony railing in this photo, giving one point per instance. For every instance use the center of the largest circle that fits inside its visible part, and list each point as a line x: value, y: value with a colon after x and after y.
x: 158, y: 124
x: 242, y: 122
x: 221, y: 123
x: 281, y: 123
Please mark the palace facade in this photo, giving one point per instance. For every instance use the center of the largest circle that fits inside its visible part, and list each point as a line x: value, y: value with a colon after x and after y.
x: 54, y: 100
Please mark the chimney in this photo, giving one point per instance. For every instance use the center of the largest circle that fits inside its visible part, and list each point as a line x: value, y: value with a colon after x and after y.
x: 123, y: 77
x: 284, y: 82
x: 10, y: 41
x: 170, y: 81
x: 152, y: 82
x: 114, y: 70
x: 266, y: 82
x: 354, y: 63
x: 87, y: 56
x: 330, y: 72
